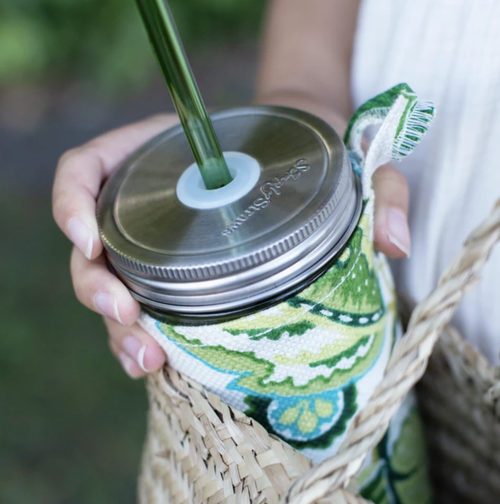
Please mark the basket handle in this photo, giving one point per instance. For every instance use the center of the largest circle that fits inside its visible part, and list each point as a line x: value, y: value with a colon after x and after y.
x: 406, y: 366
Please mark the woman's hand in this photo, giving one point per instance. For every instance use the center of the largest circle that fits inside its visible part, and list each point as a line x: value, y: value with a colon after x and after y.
x: 79, y: 176
x: 310, y: 73
x: 391, y: 231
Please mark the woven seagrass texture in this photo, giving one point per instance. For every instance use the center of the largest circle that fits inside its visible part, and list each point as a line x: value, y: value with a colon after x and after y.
x: 201, y: 451
x: 462, y: 421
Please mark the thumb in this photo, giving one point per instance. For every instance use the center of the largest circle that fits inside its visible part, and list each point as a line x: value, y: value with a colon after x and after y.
x: 392, y: 235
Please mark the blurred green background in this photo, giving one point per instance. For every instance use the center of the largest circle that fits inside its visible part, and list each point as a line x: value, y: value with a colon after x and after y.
x: 102, y: 41
x: 71, y: 422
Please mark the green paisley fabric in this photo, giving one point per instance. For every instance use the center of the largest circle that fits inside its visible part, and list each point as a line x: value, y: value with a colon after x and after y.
x: 304, y: 367
x: 396, y: 471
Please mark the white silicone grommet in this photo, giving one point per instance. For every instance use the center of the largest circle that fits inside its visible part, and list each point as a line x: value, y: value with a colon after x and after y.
x: 192, y: 192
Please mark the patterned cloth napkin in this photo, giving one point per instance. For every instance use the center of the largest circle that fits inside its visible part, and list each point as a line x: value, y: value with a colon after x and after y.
x: 305, y: 366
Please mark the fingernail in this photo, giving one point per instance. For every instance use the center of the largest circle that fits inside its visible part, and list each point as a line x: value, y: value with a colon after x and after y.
x: 128, y: 365
x: 106, y: 303
x: 136, y: 350
x: 81, y: 236
x: 140, y: 352
x: 398, y: 231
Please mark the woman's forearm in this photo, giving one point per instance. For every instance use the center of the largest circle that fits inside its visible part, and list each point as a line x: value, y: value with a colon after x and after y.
x: 306, y: 57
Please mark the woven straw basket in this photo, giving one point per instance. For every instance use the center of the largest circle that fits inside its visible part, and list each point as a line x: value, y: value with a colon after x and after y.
x: 199, y: 450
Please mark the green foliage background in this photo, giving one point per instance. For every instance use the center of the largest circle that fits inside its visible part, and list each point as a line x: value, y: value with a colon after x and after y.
x: 103, y: 41
x: 72, y: 423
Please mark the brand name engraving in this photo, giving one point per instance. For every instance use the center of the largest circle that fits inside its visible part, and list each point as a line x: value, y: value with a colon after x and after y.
x: 269, y: 190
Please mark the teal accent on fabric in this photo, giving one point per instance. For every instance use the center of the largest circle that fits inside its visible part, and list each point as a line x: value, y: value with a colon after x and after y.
x: 304, y: 367
x: 258, y: 407
x: 355, y: 163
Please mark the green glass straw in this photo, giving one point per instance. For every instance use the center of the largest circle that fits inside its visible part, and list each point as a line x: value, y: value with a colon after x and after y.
x: 184, y: 91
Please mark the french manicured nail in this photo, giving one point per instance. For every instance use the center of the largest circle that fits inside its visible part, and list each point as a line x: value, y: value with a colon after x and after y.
x: 142, y: 353
x: 81, y: 236
x: 106, y: 304
x: 136, y: 350
x: 398, y: 231
x: 128, y: 365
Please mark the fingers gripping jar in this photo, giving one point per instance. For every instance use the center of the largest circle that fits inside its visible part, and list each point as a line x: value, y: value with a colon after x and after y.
x: 268, y: 291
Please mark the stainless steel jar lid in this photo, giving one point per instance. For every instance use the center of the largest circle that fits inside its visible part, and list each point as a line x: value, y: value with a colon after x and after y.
x: 214, y: 263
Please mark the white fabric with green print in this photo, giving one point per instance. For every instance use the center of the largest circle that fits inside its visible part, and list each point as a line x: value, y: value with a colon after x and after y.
x: 305, y: 366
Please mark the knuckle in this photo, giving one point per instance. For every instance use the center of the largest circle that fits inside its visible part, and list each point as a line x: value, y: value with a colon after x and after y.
x: 113, y: 347
x: 65, y: 206
x: 68, y: 158
x: 79, y: 291
x: 399, y: 180
x: 387, y: 174
x: 391, y: 188
x: 61, y: 198
x: 72, y: 163
x: 60, y: 203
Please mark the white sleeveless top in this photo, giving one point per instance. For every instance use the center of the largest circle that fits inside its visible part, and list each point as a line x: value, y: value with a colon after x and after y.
x: 448, y: 51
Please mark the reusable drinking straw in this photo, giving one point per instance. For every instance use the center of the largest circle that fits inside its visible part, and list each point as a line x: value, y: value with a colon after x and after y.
x: 184, y: 91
